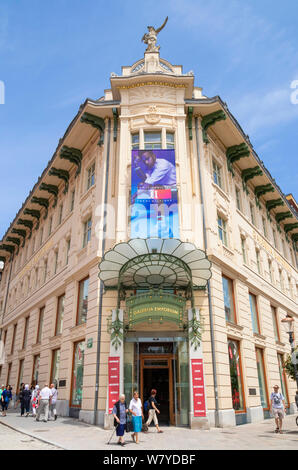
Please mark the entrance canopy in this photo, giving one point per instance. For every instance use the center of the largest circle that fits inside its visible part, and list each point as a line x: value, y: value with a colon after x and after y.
x: 154, y: 262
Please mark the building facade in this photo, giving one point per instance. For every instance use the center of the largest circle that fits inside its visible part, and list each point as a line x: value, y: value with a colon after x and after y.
x: 95, y: 301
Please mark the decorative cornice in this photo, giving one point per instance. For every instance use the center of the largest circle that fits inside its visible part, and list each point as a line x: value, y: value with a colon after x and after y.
x: 41, y: 202
x: 34, y: 213
x: 261, y: 190
x: 236, y: 152
x: 73, y: 155
x: 248, y: 174
x: 62, y: 174
x: 20, y: 232
x: 26, y: 223
x: 96, y: 122
x: 210, y: 120
x: 14, y: 240
x: 52, y: 189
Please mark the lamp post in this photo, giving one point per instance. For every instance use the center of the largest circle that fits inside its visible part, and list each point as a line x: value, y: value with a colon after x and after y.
x: 288, y: 322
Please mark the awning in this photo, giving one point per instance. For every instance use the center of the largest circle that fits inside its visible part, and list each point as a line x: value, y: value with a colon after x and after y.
x: 155, y: 262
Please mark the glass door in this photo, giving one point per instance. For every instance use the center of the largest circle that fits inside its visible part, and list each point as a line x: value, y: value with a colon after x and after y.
x: 181, y: 383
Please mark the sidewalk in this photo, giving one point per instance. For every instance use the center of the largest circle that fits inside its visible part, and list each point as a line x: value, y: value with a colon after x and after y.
x: 71, y: 434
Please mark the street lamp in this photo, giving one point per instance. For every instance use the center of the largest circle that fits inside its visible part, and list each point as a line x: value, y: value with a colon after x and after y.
x: 288, y: 323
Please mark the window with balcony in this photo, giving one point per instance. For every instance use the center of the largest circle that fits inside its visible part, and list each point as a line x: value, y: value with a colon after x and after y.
x: 87, y: 232
x: 229, y: 299
x: 90, y: 176
x: 217, y: 174
x: 222, y: 230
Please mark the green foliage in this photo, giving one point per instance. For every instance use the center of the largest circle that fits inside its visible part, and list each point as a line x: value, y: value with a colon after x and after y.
x: 115, y: 328
x: 289, y: 366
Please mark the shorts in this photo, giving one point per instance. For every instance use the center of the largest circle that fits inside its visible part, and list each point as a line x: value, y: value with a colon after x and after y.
x: 278, y: 413
x: 120, y: 430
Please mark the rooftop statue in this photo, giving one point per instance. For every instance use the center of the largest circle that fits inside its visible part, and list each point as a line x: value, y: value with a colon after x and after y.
x: 150, y: 38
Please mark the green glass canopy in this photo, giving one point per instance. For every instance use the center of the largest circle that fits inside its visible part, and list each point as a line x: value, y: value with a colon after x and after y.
x: 154, y: 262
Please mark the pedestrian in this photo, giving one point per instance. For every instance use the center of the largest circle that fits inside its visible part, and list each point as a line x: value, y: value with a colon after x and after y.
x: 52, y: 406
x: 18, y: 394
x: 4, y: 400
x: 25, y: 398
x: 34, y: 400
x: 277, y: 408
x: 9, y: 393
x: 135, y: 407
x: 120, y: 411
x: 153, y: 410
x: 2, y: 388
x: 43, y: 403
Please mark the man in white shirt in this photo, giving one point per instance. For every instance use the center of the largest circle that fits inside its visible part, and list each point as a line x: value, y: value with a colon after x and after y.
x: 160, y: 172
x: 44, y: 402
x: 52, y: 410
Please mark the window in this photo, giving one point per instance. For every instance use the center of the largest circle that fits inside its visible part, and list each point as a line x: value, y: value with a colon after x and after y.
x: 33, y: 246
x: 55, y: 367
x: 238, y: 199
x: 41, y: 236
x: 270, y: 271
x: 87, y: 232
x: 281, y: 280
x: 283, y: 378
x: 77, y: 374
x: 275, y: 323
x: 25, y: 333
x: 229, y: 302
x: 152, y: 140
x: 4, y: 337
x: 91, y: 176
x: 283, y: 248
x: 8, y: 373
x: 21, y: 372
x: 264, y: 226
x: 72, y: 199
x: 170, y: 136
x: 83, y: 301
x: 217, y: 177
x: 13, y: 338
x: 40, y: 324
x: 274, y: 238
x: 45, y: 271
x: 135, y: 140
x: 243, y: 248
x: 291, y: 293
x: 236, y: 376
x: 56, y: 262
x: 252, y: 213
x: 67, y: 250
x: 60, y: 314
x: 50, y: 225
x: 254, y: 313
x: 258, y: 261
x: 222, y: 231
x: 35, y: 372
x: 60, y: 214
x: 262, y: 379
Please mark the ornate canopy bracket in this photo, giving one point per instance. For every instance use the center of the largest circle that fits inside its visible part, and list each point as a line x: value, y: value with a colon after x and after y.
x: 272, y: 204
x: 248, y: 174
x: 41, y: 202
x: 295, y: 237
x: 14, y: 240
x: 210, y: 120
x: 26, y: 223
x: 115, y: 114
x: 290, y: 227
x: 22, y: 233
x: 8, y: 248
x: 282, y: 216
x: 261, y: 190
x: 34, y: 213
x: 96, y: 122
x: 236, y: 152
x: 189, y: 120
x: 62, y: 174
x: 73, y: 155
x: 52, y: 189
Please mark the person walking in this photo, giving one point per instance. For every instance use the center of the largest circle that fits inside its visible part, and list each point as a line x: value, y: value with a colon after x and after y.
x: 9, y: 392
x: 25, y: 398
x: 120, y: 411
x: 153, y: 410
x: 34, y: 400
x: 277, y: 408
x: 135, y: 407
x: 44, y: 402
x: 52, y: 407
x: 4, y: 400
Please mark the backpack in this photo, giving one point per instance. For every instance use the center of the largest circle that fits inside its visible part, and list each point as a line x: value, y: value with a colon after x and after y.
x: 146, y: 405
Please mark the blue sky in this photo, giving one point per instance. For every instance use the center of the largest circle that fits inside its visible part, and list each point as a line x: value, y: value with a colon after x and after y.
x: 54, y: 54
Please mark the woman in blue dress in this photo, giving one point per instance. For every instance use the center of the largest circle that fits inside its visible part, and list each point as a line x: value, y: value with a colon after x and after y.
x: 135, y: 407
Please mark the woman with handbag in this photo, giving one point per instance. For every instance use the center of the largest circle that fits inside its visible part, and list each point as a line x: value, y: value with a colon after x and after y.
x: 135, y: 407
x: 119, y: 412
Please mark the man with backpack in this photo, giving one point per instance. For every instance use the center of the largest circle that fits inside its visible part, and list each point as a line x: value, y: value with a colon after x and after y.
x: 278, y: 408
x: 150, y: 405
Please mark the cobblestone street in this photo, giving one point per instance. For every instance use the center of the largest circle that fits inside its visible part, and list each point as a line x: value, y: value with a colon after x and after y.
x: 68, y: 433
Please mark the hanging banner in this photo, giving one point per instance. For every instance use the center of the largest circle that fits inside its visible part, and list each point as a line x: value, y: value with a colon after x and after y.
x: 154, y: 200
x: 199, y: 405
x: 114, y: 381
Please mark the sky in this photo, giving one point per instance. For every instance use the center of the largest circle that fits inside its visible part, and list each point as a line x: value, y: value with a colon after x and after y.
x: 54, y: 54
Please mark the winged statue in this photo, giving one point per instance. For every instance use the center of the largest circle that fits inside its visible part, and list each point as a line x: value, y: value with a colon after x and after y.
x: 150, y: 38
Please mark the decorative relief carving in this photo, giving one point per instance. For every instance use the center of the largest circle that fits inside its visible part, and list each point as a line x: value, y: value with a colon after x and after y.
x: 152, y: 93
x: 152, y: 116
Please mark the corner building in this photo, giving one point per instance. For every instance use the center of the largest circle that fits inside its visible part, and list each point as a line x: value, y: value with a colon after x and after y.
x: 103, y: 296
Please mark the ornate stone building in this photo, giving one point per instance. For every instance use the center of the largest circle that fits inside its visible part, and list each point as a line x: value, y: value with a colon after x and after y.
x: 212, y: 346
